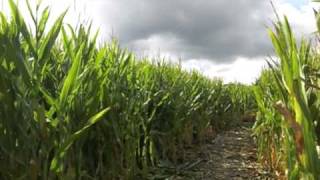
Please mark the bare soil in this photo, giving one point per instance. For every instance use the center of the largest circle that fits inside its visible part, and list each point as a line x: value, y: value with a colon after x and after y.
x: 230, y: 155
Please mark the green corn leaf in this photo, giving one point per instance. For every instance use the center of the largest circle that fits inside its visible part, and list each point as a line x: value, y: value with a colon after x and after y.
x: 31, y: 12
x: 14, y: 53
x: 42, y: 23
x: 71, y: 77
x: 56, y: 162
x: 73, y: 34
x: 49, y: 99
x: 46, y: 45
x: 92, y: 45
x: 21, y: 25
x: 317, y: 16
x: 67, y: 44
x: 3, y: 20
x: 279, y: 83
x: 101, y: 54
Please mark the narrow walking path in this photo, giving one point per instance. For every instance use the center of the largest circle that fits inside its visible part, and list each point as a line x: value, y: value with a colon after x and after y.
x: 230, y: 155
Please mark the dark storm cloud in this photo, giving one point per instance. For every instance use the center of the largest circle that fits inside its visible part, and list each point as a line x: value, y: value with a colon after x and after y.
x: 201, y: 29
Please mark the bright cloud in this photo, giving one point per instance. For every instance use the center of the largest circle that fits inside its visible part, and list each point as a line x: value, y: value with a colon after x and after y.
x: 242, y: 70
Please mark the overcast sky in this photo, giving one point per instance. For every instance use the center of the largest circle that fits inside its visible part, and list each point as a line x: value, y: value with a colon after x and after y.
x: 219, y: 38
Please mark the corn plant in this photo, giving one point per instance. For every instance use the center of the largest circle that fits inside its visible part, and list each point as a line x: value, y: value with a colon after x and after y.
x: 296, y: 139
x: 267, y: 128
x: 73, y: 109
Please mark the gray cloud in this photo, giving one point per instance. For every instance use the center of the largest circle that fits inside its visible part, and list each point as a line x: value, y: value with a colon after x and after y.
x: 195, y: 29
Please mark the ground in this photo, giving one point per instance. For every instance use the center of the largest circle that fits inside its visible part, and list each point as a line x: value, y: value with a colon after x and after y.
x: 230, y: 155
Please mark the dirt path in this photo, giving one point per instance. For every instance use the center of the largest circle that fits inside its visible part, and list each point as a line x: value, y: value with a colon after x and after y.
x: 231, y: 155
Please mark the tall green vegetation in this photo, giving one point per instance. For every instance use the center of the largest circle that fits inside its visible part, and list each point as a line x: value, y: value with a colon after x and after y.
x: 287, y: 96
x: 70, y: 109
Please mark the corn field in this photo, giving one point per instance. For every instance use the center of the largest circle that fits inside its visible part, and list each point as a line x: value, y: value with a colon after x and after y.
x: 73, y: 109
x: 287, y: 94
